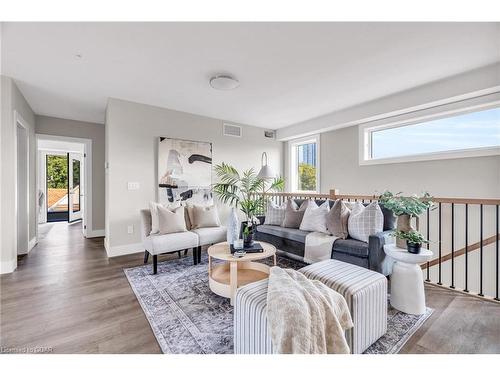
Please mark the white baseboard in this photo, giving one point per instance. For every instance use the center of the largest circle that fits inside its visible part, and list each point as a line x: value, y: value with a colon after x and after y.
x: 117, y: 251
x: 8, y: 266
x: 95, y: 233
x: 32, y: 243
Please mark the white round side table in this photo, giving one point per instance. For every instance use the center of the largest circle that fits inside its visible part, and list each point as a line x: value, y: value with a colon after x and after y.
x: 407, y: 283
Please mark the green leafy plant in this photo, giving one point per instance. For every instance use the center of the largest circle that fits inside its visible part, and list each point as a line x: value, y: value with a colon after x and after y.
x: 244, y: 191
x: 307, y: 177
x: 411, y: 237
x: 413, y: 206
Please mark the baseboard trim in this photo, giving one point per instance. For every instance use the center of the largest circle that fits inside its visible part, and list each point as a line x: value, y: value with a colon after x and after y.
x: 8, y: 266
x: 33, y: 242
x: 116, y: 251
x: 95, y: 233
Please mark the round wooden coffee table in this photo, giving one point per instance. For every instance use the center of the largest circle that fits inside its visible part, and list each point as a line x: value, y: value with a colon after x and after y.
x: 225, y: 278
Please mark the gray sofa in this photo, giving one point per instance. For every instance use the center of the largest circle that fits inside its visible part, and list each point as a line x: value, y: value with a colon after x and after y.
x: 369, y: 255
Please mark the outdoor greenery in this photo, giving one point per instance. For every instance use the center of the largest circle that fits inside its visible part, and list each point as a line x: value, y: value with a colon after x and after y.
x: 411, y: 237
x: 57, y: 172
x: 307, y: 177
x: 413, y: 206
x: 244, y: 191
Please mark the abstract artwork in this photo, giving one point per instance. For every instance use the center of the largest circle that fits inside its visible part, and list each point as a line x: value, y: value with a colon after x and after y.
x: 184, y: 171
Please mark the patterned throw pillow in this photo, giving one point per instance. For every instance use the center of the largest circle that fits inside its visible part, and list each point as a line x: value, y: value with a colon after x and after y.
x: 275, y: 214
x: 294, y: 214
x: 337, y: 219
x: 314, y: 219
x: 365, y: 221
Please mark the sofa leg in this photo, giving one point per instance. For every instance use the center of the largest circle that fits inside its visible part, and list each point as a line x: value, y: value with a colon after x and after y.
x: 185, y: 252
x: 155, y: 264
x: 199, y: 254
x: 195, y: 255
x: 179, y: 254
x: 146, y: 256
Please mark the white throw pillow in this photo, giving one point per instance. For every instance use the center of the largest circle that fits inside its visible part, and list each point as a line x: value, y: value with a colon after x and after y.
x: 205, y: 217
x: 153, y: 207
x: 314, y: 219
x: 275, y: 214
x: 171, y: 221
x: 365, y: 221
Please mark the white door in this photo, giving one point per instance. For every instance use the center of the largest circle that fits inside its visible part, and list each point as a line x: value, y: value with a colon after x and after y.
x: 75, y: 187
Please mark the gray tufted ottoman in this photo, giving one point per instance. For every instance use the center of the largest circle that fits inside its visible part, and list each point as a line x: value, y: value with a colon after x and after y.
x: 365, y: 292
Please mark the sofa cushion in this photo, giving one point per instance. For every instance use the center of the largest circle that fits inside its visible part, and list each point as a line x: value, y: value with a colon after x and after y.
x: 365, y: 221
x: 288, y: 233
x: 166, y: 243
x: 275, y: 214
x: 337, y: 218
x: 211, y: 235
x: 294, y: 214
x: 314, y: 219
x: 352, y: 247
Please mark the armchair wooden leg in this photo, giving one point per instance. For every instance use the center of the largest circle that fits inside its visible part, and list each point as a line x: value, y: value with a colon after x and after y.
x: 179, y: 254
x: 185, y: 252
x: 199, y: 254
x: 155, y: 264
x: 146, y: 256
x: 195, y: 255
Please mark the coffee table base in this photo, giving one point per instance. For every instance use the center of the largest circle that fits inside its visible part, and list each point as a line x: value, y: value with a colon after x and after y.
x: 225, y: 278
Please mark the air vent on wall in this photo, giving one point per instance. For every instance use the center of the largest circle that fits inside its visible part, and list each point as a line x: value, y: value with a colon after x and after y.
x: 269, y: 134
x: 231, y: 130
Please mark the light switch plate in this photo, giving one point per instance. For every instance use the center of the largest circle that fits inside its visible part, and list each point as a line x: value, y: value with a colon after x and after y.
x: 133, y: 186
x: 130, y: 229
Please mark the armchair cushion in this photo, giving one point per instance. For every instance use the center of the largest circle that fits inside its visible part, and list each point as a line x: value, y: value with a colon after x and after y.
x: 210, y: 235
x: 165, y: 243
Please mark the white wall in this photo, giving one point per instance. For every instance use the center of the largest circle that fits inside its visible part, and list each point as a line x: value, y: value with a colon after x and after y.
x: 13, y: 101
x: 467, y: 177
x: 96, y: 132
x: 132, y: 132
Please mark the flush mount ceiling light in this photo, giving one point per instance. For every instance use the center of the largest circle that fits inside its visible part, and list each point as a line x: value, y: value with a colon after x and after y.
x: 224, y: 82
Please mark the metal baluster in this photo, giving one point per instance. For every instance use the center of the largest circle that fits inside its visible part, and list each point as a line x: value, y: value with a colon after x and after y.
x: 439, y: 244
x: 481, y: 250
x: 428, y: 244
x: 452, y: 246
x: 466, y: 247
x: 496, y: 263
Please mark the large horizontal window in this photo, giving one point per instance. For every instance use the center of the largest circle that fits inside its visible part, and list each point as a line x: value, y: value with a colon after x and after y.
x: 436, y: 137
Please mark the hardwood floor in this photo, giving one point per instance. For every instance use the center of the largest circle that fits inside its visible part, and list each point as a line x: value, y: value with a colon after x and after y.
x: 68, y: 296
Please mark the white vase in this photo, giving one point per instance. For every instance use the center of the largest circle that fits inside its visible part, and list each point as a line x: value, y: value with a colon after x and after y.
x: 233, y: 227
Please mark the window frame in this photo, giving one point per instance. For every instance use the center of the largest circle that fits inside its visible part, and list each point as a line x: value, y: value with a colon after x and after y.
x: 366, y: 131
x: 292, y: 161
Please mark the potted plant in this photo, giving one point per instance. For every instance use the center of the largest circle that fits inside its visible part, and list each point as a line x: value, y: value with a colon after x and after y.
x: 413, y: 239
x: 405, y: 208
x: 246, y: 192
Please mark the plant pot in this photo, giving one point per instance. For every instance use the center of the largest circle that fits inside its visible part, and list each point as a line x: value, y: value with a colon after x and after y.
x: 403, y: 224
x: 413, y: 248
x: 248, y: 237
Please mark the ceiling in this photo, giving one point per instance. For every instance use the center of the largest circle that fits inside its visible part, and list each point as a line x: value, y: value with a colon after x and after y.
x: 289, y: 72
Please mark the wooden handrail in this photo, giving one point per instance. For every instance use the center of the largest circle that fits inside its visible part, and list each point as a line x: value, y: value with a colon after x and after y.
x: 472, y: 247
x: 335, y: 195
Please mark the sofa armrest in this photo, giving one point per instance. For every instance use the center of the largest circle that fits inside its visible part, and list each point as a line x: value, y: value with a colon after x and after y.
x: 377, y: 259
x: 146, y: 223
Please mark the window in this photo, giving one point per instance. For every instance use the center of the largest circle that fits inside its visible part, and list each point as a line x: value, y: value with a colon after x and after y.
x: 304, y: 164
x: 458, y: 135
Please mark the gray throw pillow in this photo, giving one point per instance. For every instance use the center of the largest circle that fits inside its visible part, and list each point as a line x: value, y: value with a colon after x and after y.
x: 275, y: 214
x: 294, y: 214
x: 337, y: 219
x: 171, y: 221
x: 365, y: 221
x: 205, y: 217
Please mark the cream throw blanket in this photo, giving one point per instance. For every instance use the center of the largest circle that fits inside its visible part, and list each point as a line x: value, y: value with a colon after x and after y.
x: 318, y: 247
x: 305, y: 316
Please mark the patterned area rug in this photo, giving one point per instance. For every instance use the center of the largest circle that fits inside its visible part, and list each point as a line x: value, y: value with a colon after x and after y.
x: 187, y: 318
